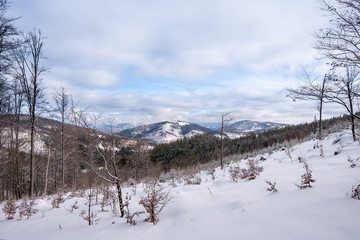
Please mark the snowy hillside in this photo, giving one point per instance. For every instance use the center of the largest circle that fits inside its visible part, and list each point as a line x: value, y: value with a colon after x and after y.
x: 247, y: 126
x: 221, y: 208
x: 165, y: 132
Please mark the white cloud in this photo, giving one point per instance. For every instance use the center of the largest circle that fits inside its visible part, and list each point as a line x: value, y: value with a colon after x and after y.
x: 214, y: 56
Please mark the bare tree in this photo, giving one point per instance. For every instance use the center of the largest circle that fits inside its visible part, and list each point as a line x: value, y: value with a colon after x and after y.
x: 29, y: 70
x: 345, y: 88
x: 225, y: 118
x: 8, y: 32
x: 62, y: 104
x: 106, y: 148
x: 340, y: 42
x: 312, y: 89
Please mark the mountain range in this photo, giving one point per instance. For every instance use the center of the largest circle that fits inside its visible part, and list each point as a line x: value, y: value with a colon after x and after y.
x: 165, y: 132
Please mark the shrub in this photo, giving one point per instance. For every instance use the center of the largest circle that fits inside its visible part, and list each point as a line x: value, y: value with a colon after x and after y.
x: 235, y: 173
x: 352, y: 162
x: 9, y: 209
x: 90, y: 216
x: 253, y: 170
x: 192, y: 179
x: 306, y: 178
x: 154, y: 200
x: 128, y: 215
x: 355, y: 192
x: 57, y: 200
x: 271, y: 187
x: 27, y: 209
x: 211, y: 172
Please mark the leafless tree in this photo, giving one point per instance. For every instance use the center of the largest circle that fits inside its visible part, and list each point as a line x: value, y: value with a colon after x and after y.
x: 105, y: 146
x: 62, y: 104
x: 29, y: 70
x: 8, y: 32
x: 311, y: 88
x: 340, y: 42
x: 344, y: 89
x: 225, y: 118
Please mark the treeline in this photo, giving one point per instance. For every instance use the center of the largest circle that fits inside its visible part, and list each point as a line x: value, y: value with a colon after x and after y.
x: 204, y: 148
x: 63, y: 156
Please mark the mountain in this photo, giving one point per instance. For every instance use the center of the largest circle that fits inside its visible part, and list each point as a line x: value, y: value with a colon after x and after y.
x: 116, y: 128
x: 210, y: 125
x: 165, y: 132
x: 244, y: 126
x: 247, y: 126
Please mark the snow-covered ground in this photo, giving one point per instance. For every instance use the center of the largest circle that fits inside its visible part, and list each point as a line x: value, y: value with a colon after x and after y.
x: 223, y: 209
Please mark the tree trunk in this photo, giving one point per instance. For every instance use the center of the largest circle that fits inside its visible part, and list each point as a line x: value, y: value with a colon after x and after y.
x: 47, y: 171
x: 121, y: 205
x: 32, y: 158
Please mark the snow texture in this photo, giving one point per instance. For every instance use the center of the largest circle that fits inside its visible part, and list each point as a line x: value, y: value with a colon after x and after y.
x: 222, y: 209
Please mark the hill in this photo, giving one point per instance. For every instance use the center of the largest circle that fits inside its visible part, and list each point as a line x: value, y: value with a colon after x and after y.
x: 247, y: 126
x: 165, y: 132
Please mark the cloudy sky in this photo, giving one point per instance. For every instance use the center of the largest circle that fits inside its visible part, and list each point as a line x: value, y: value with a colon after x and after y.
x: 153, y: 60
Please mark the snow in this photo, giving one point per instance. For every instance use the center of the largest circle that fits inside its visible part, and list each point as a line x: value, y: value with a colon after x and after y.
x: 24, y: 137
x: 181, y: 123
x: 222, y: 209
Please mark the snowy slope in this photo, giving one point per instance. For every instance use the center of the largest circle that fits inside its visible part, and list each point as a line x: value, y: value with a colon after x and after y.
x: 247, y: 126
x: 223, y: 209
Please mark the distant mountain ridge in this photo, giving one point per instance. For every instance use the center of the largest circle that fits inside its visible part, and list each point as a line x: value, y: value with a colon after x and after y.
x: 165, y: 132
x: 115, y: 128
x: 248, y: 126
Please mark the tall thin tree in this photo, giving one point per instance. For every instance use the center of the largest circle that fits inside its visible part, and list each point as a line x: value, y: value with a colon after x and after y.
x: 224, y: 119
x: 29, y: 70
x: 62, y: 104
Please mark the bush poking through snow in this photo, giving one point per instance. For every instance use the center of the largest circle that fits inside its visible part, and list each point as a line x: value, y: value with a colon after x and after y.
x: 107, y: 198
x: 73, y: 207
x: 154, y: 200
x: 306, y: 178
x: 27, y: 209
x: 271, y: 187
x: 211, y: 172
x: 192, y: 179
x: 57, y: 200
x: 253, y: 170
x: 128, y: 215
x: 352, y: 162
x: 235, y: 173
x: 9, y: 209
x: 90, y: 216
x: 250, y: 173
x: 355, y: 192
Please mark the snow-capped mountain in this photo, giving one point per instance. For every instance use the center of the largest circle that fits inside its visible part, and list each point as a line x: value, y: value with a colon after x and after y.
x: 244, y: 126
x: 247, y: 126
x: 165, y: 132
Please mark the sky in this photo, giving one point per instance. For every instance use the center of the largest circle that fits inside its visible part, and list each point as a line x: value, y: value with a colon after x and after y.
x: 145, y: 61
